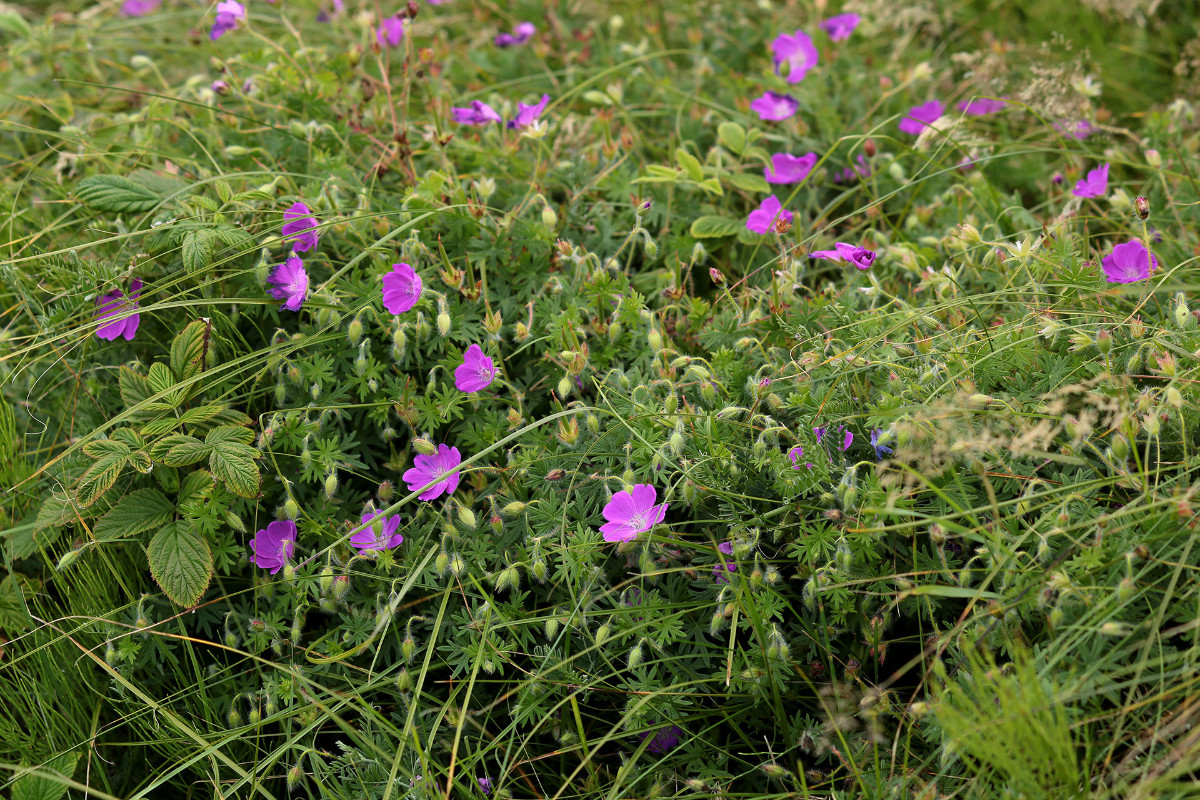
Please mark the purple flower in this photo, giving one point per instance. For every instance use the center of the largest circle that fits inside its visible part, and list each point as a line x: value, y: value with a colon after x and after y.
x: 229, y: 14
x: 401, y: 289
x: 301, y: 226
x: 485, y: 785
x: 762, y: 220
x: 1128, y: 263
x: 880, y: 449
x: 862, y: 170
x: 438, y: 469
x: 526, y: 115
x: 139, y: 8
x: 847, y: 438
x: 291, y: 283
x: 920, y: 116
x: 786, y: 168
x: 798, y: 52
x: 111, y: 304
x: 819, y: 432
x: 219, y: 87
x: 520, y: 35
x: 476, y: 372
x: 390, y: 32
x: 273, y: 545
x: 630, y: 513
x: 1095, y: 185
x: 859, y: 256
x: 1079, y: 129
x: 979, y: 106
x: 726, y: 548
x: 721, y: 571
x: 382, y: 534
x: 773, y: 106
x: 664, y: 740
x: 479, y: 113
x: 840, y: 27
x: 795, y: 454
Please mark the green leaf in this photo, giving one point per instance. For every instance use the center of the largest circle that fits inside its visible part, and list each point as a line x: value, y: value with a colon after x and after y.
x: 199, y: 414
x: 106, y: 449
x: 178, y: 450
x: 750, y: 182
x: 690, y: 164
x: 101, y: 475
x: 228, y: 434
x: 198, y: 250
x: 114, y: 193
x: 713, y: 227
x: 712, y: 186
x: 55, y: 512
x: 160, y: 378
x: 194, y: 487
x: 44, y: 787
x: 160, y: 426
x: 137, y: 512
x: 181, y: 563
x: 234, y: 464
x: 13, y: 22
x: 13, y: 617
x: 187, y: 350
x: 732, y: 136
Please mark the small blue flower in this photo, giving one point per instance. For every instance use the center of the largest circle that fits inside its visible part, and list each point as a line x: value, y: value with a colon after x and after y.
x: 880, y: 449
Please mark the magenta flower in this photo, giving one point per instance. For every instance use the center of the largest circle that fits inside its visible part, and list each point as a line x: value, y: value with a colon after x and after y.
x: 1079, y: 129
x: 794, y: 455
x: 979, y: 106
x: 382, y: 534
x: 476, y: 372
x: 526, y: 115
x: 229, y: 14
x: 798, y: 52
x: 520, y: 35
x: 726, y: 548
x: 401, y: 288
x: 633, y: 512
x: 1128, y: 263
x: 139, y: 8
x: 438, y: 469
x: 859, y: 256
x: 920, y: 116
x: 721, y: 570
x: 291, y: 283
x: 300, y: 226
x: 847, y: 438
x: 1094, y: 185
x: 786, y: 168
x: 861, y: 170
x: 219, y: 87
x: 819, y: 432
x: 111, y: 304
x: 840, y: 27
x: 485, y: 785
x: 664, y: 740
x: 274, y: 545
x: 771, y: 106
x: 479, y: 113
x: 762, y: 219
x: 390, y: 32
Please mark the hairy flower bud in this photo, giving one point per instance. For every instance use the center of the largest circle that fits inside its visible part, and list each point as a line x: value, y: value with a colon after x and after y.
x: 291, y: 509
x: 467, y: 517
x: 655, y: 340
x: 424, y: 446
x: 1142, y: 207
x: 1174, y: 398
x: 457, y: 565
x: 635, y: 656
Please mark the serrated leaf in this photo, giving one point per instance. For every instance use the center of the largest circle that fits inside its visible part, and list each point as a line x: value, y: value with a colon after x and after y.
x: 712, y: 186
x: 713, y: 227
x: 160, y: 378
x: 160, y: 426
x: 234, y: 465
x: 179, y: 450
x: 732, y: 135
x: 55, y: 512
x: 229, y: 435
x: 13, y: 617
x: 197, y: 250
x: 750, y: 182
x: 98, y: 479
x: 233, y: 242
x: 227, y: 416
x: 140, y: 461
x: 137, y: 511
x: 43, y: 787
x: 106, y: 448
x: 200, y: 414
x: 128, y: 436
x: 114, y: 193
x: 134, y: 387
x: 181, y: 563
x: 166, y: 477
x: 194, y: 486
x: 187, y: 349
x: 689, y: 164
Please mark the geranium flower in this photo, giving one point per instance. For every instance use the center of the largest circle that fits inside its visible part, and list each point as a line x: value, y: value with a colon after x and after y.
x: 857, y: 255
x: 390, y: 32
x: 139, y: 8
x: 664, y: 739
x: 798, y: 52
x: 979, y: 106
x: 479, y: 113
x: 274, y: 545
x: 300, y: 226
x: 633, y: 512
x: 476, y: 372
x: 880, y: 449
x: 787, y: 168
x: 526, y: 115
x: 1094, y: 185
x: 438, y: 469
x: 862, y: 170
x: 1128, y: 263
x: 520, y: 35
x: 771, y: 106
x: 721, y: 571
x: 229, y: 14
x: 762, y: 220
x: 401, y: 289
x: 840, y: 27
x: 111, y: 304
x: 381, y: 535
x: 291, y: 283
x: 919, y: 117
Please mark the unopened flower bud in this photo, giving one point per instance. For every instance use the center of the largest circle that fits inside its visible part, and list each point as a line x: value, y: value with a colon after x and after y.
x: 564, y: 386
x: 424, y: 446
x: 331, y: 485
x: 407, y: 648
x: 291, y: 509
x: 1142, y: 206
x: 341, y: 585
x: 717, y: 276
x: 467, y: 517
x: 442, y: 563
x: 294, y: 776
x: 457, y: 565
x: 549, y: 218
x: 602, y: 634
x: 655, y: 340
x: 552, y: 624
x: 354, y: 331
x: 635, y: 656
x: 1154, y: 158
x: 1151, y: 424
x: 1174, y: 398
x: 496, y: 524
x: 1104, y: 342
x: 521, y: 331
x: 443, y: 323
x: 538, y: 569
x: 404, y: 680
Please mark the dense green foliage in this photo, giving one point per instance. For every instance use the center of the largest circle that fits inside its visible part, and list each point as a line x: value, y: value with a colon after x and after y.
x: 977, y: 579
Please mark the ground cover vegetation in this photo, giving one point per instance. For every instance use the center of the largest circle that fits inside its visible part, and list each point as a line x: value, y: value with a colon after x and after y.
x: 599, y: 399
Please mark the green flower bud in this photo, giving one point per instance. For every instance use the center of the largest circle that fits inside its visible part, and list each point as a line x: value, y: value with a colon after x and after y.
x: 671, y: 403
x: 289, y: 572
x: 325, y: 581
x: 716, y: 624
x: 467, y: 517
x: 1151, y: 424
x: 1174, y: 397
x: 614, y: 331
x: 651, y: 249
x: 565, y: 386
x: 635, y: 656
x: 538, y: 570
x: 341, y: 585
x: 497, y: 524
x: 110, y: 654
x: 552, y: 625
x: 399, y: 342
x: 68, y: 558
x: 457, y: 565
x: 254, y: 716
x: 331, y: 485
x: 424, y: 446
x: 294, y: 776
x: 655, y: 340
x: 407, y: 648
x: 354, y: 331
x: 602, y: 634
x: 677, y: 442
x: 593, y: 424
x: 404, y: 680
x: 442, y: 563
x: 549, y: 218
x: 443, y: 323
x: 514, y: 508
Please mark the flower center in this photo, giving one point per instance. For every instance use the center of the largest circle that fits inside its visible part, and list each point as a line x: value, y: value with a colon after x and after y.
x: 638, y: 522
